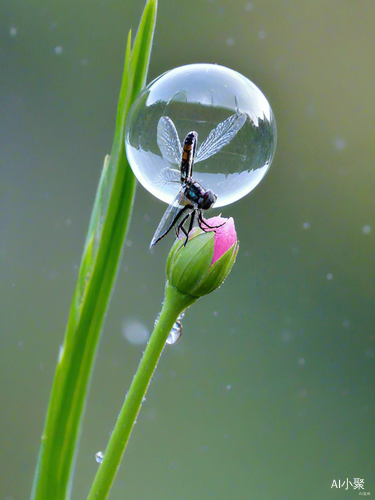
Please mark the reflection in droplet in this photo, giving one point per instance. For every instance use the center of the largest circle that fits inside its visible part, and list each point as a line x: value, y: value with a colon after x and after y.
x: 99, y: 457
x: 366, y: 229
x: 58, y: 50
x: 249, y: 6
x: 13, y: 31
x: 329, y: 276
x: 230, y: 41
x: 176, y: 333
x: 306, y: 225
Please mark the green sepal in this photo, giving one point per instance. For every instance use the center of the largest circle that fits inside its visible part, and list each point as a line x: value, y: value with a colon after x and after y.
x: 188, y: 265
x: 217, y: 272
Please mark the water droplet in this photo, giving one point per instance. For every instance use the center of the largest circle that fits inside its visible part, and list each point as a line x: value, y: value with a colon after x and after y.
x: 230, y: 41
x: 366, y: 229
x: 346, y: 323
x: 249, y: 7
x: 58, y: 50
x: 329, y: 276
x: 339, y: 143
x: 306, y: 225
x: 198, y: 97
x: 286, y: 336
x: 261, y: 34
x: 176, y: 333
x: 84, y: 62
x: 216, y: 313
x: 53, y: 274
x: 61, y: 353
x: 13, y: 31
x: 301, y: 361
x: 99, y: 457
x: 311, y: 109
x: 135, y: 332
x: 229, y: 387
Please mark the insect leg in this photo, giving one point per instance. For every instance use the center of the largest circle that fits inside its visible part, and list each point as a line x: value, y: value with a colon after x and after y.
x: 192, y: 215
x: 164, y: 228
x: 201, y: 221
x: 181, y: 227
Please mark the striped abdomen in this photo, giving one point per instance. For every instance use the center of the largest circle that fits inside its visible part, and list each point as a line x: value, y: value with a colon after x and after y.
x: 188, y: 154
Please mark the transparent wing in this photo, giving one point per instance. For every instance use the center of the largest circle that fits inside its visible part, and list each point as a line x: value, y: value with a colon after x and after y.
x: 220, y: 136
x: 167, y: 175
x: 180, y: 205
x: 168, y: 141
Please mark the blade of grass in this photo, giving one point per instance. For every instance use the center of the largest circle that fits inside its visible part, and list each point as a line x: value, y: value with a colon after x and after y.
x: 108, y: 226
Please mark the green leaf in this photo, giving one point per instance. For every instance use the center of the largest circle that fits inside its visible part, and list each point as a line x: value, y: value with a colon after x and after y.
x: 100, y: 261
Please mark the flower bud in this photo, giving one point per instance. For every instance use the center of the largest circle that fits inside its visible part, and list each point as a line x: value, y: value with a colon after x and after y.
x: 202, y: 265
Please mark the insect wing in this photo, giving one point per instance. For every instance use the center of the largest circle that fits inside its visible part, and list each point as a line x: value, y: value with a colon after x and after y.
x: 170, y: 217
x: 220, y: 136
x: 168, y: 141
x: 167, y: 175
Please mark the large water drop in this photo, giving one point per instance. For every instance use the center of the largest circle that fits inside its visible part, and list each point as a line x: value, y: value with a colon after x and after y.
x: 199, y: 97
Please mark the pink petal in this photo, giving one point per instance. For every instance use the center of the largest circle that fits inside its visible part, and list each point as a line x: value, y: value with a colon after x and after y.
x: 225, y: 236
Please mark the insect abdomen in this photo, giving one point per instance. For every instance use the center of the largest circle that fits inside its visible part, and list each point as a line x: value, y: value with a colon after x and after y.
x: 188, y: 154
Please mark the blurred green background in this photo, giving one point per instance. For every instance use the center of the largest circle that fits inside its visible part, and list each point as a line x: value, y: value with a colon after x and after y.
x: 270, y: 392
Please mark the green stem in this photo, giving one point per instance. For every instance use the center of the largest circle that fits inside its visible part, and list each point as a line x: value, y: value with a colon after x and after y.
x: 174, y: 304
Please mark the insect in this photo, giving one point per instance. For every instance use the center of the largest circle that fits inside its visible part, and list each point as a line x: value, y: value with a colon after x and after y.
x: 192, y: 198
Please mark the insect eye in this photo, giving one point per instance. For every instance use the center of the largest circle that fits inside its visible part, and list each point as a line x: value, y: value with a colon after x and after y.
x: 209, y: 199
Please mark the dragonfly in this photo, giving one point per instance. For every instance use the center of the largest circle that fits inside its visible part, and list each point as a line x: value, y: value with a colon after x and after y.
x: 192, y: 198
